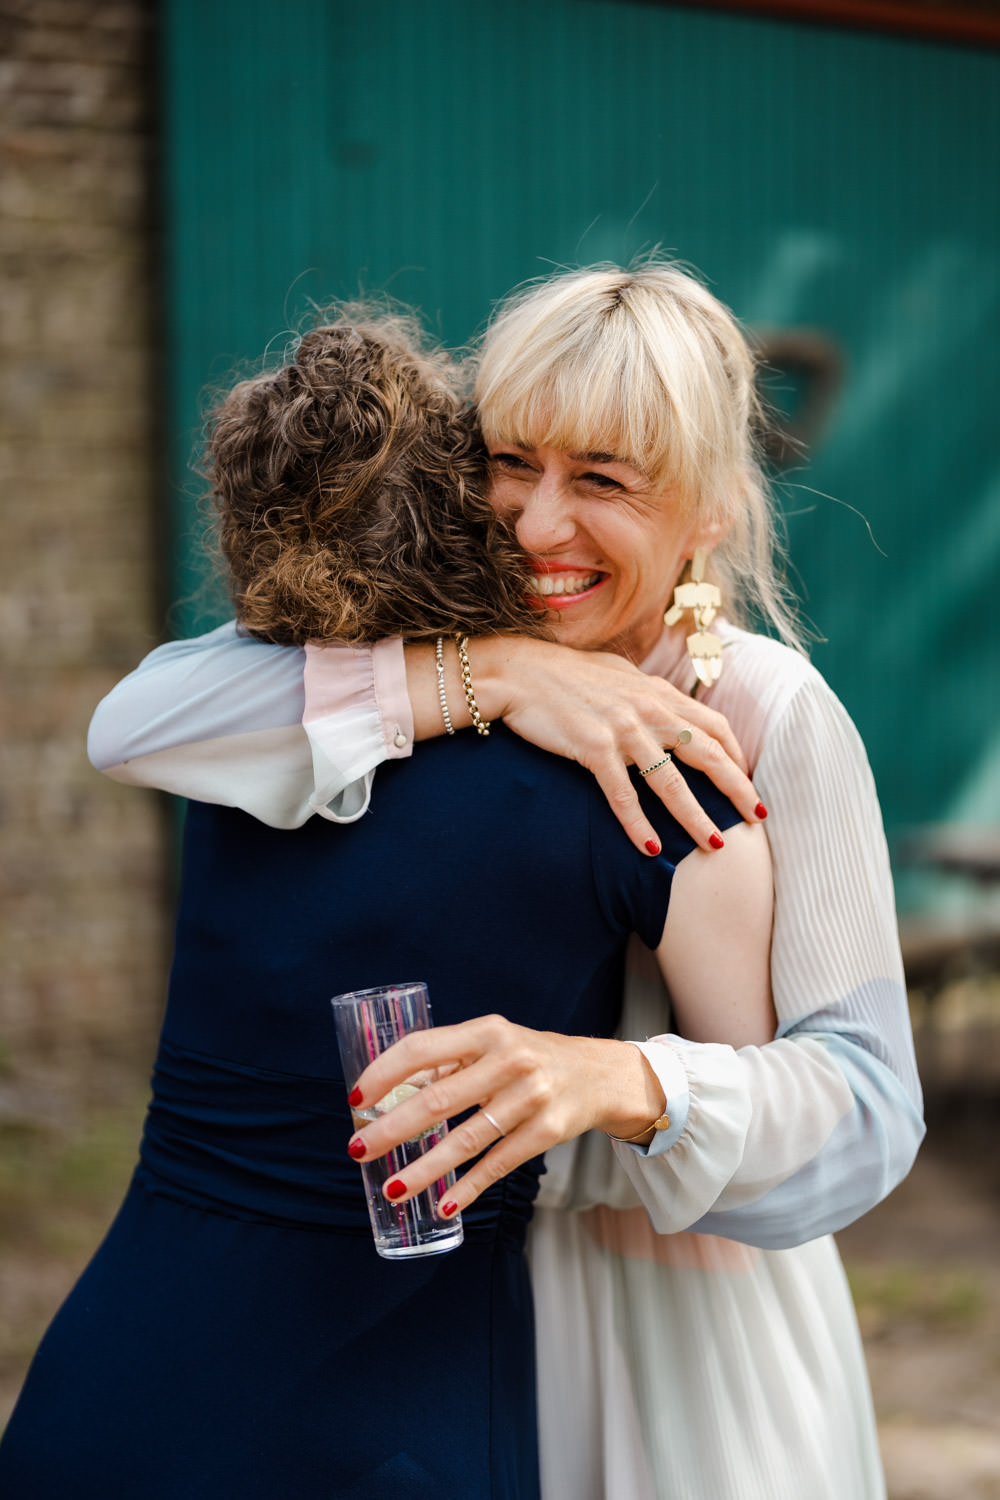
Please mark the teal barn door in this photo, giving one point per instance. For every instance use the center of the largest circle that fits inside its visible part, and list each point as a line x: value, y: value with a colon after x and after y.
x: 826, y: 180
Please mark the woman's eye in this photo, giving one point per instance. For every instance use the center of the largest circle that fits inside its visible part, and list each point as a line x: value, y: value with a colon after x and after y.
x: 601, y: 481
x: 510, y: 461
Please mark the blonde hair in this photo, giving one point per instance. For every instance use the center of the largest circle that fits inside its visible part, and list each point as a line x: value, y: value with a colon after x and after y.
x: 645, y: 364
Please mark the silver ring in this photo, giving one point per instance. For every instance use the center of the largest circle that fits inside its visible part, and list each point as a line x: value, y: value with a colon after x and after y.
x: 657, y: 764
x: 684, y: 738
x: 493, y: 1122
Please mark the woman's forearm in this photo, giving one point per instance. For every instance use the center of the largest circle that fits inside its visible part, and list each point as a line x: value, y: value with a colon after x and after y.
x: 280, y: 732
x: 219, y: 719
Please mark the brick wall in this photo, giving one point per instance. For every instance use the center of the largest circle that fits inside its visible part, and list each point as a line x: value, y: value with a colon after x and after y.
x: 82, y: 909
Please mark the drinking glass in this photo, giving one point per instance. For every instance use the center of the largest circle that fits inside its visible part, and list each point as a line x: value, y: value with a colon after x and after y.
x: 367, y: 1022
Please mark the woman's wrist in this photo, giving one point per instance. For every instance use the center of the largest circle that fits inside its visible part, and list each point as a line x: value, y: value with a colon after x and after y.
x: 495, y: 663
x: 642, y: 1108
x: 431, y: 691
x: 627, y: 1097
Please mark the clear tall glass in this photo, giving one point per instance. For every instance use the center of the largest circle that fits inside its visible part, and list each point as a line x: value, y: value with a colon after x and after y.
x: 368, y: 1022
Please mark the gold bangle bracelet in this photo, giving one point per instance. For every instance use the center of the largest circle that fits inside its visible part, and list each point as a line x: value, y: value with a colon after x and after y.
x: 482, y: 725
x: 663, y: 1123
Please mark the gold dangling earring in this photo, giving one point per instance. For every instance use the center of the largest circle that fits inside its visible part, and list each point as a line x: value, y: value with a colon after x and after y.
x: 704, y: 601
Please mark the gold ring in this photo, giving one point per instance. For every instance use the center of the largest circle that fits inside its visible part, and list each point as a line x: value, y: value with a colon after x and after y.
x: 657, y: 764
x: 684, y: 738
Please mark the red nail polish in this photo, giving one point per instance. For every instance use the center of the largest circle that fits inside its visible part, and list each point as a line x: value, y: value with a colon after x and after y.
x: 395, y: 1189
x: 354, y: 1098
x: 356, y: 1148
x: 760, y: 811
x: 447, y: 1209
x: 652, y: 846
x: 717, y: 841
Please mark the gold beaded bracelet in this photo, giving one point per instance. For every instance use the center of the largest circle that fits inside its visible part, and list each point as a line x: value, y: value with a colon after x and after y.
x: 482, y: 725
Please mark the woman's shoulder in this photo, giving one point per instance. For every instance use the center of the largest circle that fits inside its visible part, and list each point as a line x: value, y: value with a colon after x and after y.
x: 763, y: 681
x: 760, y: 656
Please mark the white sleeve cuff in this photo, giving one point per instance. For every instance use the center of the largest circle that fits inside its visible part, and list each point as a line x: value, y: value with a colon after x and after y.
x: 357, y: 715
x: 666, y: 1064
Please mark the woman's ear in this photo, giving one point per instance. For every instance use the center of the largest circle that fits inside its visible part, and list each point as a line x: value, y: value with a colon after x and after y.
x: 706, y: 535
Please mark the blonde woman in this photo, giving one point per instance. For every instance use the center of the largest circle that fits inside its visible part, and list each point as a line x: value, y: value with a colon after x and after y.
x: 619, y: 413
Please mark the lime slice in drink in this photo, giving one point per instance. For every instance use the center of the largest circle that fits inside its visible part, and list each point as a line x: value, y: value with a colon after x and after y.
x: 398, y: 1095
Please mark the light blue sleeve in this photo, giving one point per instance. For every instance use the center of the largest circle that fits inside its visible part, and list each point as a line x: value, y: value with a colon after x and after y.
x: 779, y: 1144
x: 219, y: 719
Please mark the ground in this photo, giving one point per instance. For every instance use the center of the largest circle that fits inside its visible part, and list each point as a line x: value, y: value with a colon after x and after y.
x: 925, y: 1270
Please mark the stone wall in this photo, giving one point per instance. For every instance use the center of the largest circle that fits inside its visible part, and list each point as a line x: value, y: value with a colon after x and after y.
x: 82, y: 900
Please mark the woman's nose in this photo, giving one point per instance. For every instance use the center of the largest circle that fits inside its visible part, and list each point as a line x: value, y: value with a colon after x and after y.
x: 544, y: 520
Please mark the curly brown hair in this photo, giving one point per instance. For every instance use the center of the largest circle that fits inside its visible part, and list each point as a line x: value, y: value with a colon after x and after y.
x: 350, y: 490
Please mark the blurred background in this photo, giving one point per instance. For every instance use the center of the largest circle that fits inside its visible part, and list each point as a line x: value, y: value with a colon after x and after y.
x: 183, y: 183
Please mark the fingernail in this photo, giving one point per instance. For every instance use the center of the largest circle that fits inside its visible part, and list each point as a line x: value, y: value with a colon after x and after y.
x: 652, y: 846
x: 717, y: 841
x: 761, y: 811
x: 447, y: 1209
x: 354, y: 1098
x: 356, y: 1148
x: 395, y: 1189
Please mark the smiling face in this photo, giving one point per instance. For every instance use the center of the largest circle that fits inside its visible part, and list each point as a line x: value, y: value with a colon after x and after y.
x: 606, y: 543
x: 620, y: 409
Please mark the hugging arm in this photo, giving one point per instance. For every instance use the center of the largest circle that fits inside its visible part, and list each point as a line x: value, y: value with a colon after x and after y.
x: 779, y: 1144
x: 220, y: 719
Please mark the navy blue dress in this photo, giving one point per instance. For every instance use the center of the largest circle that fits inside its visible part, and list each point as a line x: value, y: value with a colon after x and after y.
x: 236, y: 1334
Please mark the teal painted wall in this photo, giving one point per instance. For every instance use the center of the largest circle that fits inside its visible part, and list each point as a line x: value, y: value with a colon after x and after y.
x: 824, y: 178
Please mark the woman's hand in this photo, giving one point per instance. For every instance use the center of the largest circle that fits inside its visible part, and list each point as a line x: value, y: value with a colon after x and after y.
x: 540, y: 1088
x: 600, y: 710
